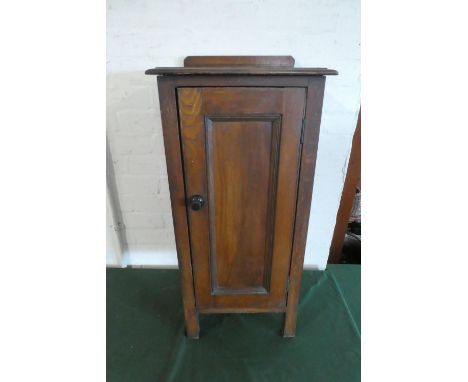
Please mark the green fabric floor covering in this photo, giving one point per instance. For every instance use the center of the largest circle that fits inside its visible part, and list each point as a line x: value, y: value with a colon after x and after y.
x: 146, y: 342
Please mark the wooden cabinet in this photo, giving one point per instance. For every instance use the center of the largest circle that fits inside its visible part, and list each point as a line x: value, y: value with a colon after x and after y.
x: 241, y: 137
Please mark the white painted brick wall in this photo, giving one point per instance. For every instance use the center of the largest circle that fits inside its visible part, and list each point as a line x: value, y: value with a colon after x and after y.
x: 146, y: 33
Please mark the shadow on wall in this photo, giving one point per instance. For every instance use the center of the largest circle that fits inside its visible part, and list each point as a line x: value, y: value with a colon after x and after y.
x: 137, y: 155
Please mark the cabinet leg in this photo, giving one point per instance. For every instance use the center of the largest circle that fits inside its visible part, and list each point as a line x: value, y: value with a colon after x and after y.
x: 192, y: 327
x: 290, y: 323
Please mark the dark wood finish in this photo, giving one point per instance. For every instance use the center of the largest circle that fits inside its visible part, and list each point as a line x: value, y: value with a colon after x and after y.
x: 315, y: 90
x: 244, y: 71
x: 239, y: 81
x: 204, y: 61
x: 353, y: 175
x: 170, y: 122
x: 245, y: 195
x: 241, y: 148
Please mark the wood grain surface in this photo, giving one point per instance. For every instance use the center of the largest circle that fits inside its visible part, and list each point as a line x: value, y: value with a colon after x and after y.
x: 232, y: 248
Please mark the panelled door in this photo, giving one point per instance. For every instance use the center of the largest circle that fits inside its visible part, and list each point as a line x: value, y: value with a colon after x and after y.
x: 241, y: 152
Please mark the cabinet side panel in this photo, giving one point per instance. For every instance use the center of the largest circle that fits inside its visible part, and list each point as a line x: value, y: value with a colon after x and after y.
x: 313, y: 114
x: 168, y: 104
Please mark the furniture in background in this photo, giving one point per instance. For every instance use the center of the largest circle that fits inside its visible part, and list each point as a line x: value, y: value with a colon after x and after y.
x: 350, y: 197
x: 240, y: 136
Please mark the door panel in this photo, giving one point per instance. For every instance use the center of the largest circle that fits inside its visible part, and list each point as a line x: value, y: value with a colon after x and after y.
x: 242, y: 162
x: 241, y: 149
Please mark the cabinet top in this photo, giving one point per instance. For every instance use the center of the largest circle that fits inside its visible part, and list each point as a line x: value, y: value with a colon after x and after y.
x: 241, y: 65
